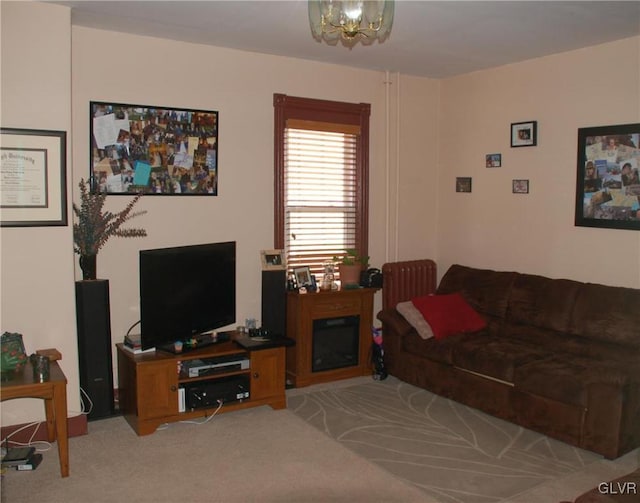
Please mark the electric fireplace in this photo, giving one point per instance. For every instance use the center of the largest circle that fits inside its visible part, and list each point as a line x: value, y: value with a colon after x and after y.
x: 332, y: 334
x: 335, y: 343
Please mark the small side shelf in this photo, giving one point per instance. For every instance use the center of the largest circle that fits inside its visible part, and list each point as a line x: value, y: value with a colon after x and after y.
x: 149, y: 383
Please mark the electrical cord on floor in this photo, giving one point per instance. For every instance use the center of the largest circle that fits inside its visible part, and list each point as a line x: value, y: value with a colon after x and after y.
x: 30, y: 442
x: 207, y: 419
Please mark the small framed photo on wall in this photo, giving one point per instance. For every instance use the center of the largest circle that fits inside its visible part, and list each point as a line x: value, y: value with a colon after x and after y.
x: 493, y: 160
x: 520, y: 186
x: 524, y: 134
x: 463, y: 184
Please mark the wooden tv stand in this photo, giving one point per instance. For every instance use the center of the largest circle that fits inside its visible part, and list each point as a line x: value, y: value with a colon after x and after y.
x: 148, y: 383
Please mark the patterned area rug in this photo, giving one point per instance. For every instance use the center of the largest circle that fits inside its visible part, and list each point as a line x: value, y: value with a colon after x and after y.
x: 454, y: 453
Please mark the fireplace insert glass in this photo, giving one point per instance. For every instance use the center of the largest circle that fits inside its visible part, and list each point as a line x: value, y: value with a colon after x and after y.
x: 335, y: 343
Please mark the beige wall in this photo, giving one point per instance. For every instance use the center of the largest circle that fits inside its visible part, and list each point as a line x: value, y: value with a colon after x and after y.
x: 37, y: 291
x: 240, y: 86
x: 125, y: 68
x: 413, y: 187
x: 491, y: 227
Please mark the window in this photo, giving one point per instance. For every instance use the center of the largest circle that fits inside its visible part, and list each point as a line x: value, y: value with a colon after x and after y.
x: 321, y: 179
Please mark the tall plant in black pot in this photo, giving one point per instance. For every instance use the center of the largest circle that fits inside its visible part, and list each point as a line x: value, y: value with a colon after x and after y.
x: 94, y: 227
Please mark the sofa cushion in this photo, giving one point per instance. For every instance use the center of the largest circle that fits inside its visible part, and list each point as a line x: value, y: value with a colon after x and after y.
x: 607, y: 313
x: 486, y: 291
x: 562, y: 342
x: 448, y: 314
x: 566, y: 378
x: 495, y: 356
x: 542, y: 302
x: 415, y: 318
x: 439, y: 350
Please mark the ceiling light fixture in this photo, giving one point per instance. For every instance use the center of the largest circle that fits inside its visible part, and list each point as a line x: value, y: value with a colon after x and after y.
x: 351, y: 21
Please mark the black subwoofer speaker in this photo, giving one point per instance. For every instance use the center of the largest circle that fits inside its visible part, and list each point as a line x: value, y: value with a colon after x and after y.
x: 274, y: 301
x: 94, y: 347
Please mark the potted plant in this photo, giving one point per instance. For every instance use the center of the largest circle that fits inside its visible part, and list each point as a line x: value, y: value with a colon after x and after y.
x: 95, y: 226
x: 350, y: 266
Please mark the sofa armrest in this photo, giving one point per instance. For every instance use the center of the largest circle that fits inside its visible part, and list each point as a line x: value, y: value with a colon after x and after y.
x: 394, y: 323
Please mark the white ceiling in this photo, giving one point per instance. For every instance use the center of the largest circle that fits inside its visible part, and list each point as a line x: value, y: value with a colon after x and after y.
x: 429, y: 38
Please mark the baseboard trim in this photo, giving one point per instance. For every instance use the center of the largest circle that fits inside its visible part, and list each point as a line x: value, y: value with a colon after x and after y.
x: 76, y: 427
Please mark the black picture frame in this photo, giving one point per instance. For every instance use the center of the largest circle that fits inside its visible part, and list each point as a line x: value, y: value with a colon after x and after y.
x: 303, y: 276
x: 524, y: 134
x: 493, y: 160
x: 33, y: 177
x: 463, y: 184
x: 152, y: 149
x: 608, y: 177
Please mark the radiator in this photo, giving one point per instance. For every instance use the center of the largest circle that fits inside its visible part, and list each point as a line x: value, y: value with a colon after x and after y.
x: 405, y: 280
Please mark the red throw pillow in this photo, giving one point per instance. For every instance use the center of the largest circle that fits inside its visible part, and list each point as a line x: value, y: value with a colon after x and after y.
x: 448, y: 314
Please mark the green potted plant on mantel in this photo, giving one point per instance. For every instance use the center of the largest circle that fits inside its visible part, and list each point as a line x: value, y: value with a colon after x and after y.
x: 350, y: 265
x: 95, y: 226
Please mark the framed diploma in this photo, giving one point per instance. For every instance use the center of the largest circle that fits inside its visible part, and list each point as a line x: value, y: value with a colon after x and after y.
x: 33, y: 184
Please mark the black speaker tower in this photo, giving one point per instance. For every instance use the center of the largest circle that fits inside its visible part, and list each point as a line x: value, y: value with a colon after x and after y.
x: 274, y: 301
x: 94, y: 347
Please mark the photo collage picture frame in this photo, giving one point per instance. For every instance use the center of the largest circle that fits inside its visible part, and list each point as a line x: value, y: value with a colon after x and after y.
x: 153, y: 150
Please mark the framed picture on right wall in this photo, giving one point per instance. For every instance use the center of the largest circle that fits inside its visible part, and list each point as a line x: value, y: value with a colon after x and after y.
x: 524, y: 134
x: 608, y: 177
x: 520, y: 186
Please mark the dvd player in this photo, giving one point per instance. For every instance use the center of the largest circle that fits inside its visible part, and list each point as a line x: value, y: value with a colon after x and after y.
x: 207, y: 366
x: 206, y: 394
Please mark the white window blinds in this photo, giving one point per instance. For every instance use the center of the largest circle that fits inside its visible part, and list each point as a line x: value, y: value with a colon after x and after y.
x: 320, y: 196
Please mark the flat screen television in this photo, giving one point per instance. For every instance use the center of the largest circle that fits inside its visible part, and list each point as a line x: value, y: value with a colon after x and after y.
x: 185, y: 292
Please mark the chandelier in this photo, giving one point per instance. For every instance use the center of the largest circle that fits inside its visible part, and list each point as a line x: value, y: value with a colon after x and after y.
x: 350, y: 21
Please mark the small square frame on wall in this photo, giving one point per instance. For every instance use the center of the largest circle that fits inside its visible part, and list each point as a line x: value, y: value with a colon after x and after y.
x: 273, y: 260
x: 493, y: 160
x: 520, y: 186
x: 608, y: 177
x: 463, y: 184
x: 524, y: 134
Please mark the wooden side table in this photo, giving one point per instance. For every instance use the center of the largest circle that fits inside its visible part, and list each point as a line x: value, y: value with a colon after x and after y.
x: 54, y: 394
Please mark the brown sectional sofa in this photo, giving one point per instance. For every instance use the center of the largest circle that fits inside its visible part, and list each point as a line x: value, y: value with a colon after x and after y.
x: 557, y: 356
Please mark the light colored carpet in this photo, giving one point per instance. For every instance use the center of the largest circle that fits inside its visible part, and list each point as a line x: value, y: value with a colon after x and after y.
x: 262, y: 455
x: 455, y: 454
x: 255, y: 455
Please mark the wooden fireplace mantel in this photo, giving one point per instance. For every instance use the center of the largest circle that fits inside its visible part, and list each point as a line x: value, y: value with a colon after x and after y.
x: 303, y: 309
